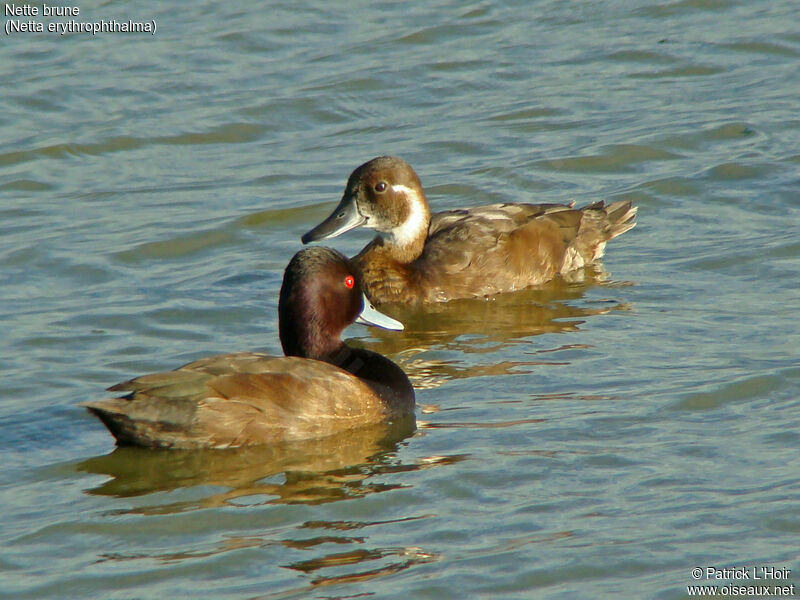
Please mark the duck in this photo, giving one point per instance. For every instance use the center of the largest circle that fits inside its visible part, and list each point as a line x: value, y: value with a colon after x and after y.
x: 418, y: 257
x: 320, y: 387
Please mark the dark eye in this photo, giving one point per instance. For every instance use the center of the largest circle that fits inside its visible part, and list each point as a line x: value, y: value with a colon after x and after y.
x: 380, y: 187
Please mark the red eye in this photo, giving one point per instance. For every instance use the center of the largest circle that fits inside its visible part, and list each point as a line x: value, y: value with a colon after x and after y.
x: 349, y: 282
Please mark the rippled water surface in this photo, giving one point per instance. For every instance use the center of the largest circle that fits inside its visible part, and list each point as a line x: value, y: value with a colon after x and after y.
x: 591, y: 439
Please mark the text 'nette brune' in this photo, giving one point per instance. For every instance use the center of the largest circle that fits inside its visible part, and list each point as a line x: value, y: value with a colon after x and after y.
x: 29, y: 10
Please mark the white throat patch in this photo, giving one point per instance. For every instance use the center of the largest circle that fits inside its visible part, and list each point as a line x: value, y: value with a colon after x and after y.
x: 416, y: 225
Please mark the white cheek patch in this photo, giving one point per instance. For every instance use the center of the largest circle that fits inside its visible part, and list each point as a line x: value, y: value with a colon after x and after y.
x: 404, y: 190
x: 416, y: 225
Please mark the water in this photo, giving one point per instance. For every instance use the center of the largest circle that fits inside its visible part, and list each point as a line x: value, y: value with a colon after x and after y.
x: 593, y: 439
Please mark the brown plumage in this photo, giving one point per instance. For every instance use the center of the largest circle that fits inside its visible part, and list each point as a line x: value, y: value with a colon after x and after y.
x: 419, y: 257
x: 321, y: 387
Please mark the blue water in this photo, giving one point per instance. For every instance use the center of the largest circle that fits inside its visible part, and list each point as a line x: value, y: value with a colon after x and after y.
x: 595, y: 439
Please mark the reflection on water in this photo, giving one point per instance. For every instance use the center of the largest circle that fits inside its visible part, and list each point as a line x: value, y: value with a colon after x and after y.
x: 469, y: 327
x: 399, y: 559
x: 309, y: 471
x: 513, y: 315
x: 381, y: 561
x: 477, y: 425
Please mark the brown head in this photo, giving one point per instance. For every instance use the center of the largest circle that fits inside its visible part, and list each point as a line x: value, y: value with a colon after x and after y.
x: 320, y: 296
x: 384, y: 194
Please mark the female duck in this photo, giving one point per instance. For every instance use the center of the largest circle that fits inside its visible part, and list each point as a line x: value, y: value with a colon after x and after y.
x: 319, y: 388
x: 419, y: 257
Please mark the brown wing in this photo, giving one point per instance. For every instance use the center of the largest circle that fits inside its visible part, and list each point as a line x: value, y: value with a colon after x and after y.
x: 238, y: 399
x: 500, y: 247
x: 505, y: 217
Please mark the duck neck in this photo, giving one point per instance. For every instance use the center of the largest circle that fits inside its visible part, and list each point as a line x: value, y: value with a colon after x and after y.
x: 344, y: 357
x: 303, y: 333
x: 406, y: 241
x: 308, y: 342
x: 385, y: 378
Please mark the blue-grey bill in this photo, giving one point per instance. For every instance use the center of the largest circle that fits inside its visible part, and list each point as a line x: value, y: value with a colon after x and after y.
x: 344, y: 218
x: 370, y: 316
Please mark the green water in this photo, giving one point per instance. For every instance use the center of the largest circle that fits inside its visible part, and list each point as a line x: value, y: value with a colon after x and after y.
x: 597, y: 439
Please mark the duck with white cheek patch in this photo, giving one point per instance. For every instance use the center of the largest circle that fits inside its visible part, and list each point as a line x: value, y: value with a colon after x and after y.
x: 418, y: 257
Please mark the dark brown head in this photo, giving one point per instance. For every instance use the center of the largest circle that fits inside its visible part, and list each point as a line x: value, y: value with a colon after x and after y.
x: 320, y: 296
x: 384, y: 194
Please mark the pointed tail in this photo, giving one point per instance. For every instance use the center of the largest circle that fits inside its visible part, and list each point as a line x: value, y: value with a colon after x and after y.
x: 599, y: 223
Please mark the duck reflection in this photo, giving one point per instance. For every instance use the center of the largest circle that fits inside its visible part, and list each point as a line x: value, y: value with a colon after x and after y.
x: 388, y: 560
x: 439, y: 338
x: 309, y: 471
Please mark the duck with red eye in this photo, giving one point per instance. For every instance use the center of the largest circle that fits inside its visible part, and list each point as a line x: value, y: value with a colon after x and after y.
x: 423, y: 257
x: 321, y: 387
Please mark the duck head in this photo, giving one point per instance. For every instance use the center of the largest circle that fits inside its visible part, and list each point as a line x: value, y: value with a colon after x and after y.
x: 320, y: 296
x: 384, y: 194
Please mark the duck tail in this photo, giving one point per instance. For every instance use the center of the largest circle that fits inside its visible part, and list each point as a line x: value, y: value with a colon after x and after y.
x: 599, y: 223
x: 621, y: 217
x: 111, y: 413
x: 128, y: 430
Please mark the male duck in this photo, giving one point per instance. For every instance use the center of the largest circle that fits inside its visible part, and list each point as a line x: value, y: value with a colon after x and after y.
x: 419, y: 257
x: 320, y: 387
